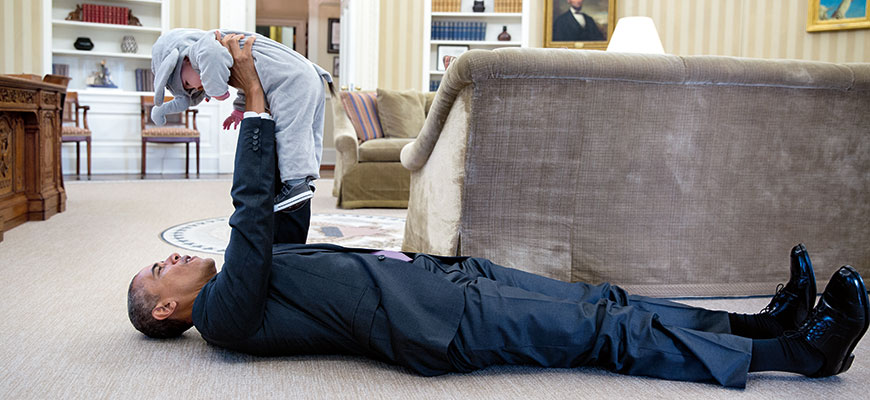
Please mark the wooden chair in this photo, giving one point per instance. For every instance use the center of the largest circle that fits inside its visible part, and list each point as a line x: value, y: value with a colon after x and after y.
x: 79, y: 132
x: 175, y: 131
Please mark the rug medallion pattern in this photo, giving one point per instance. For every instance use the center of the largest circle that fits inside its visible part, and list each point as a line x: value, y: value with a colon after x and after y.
x: 369, y: 231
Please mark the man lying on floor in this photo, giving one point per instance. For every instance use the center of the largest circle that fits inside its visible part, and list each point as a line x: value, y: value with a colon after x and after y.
x: 436, y: 315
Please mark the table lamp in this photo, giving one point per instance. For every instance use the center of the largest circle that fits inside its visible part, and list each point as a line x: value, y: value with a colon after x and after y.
x: 636, y: 35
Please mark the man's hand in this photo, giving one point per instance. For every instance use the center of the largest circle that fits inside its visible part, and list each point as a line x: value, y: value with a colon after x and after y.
x: 243, y: 75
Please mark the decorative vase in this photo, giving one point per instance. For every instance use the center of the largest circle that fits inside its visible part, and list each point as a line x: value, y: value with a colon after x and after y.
x: 83, y: 43
x: 128, y: 44
x: 504, y: 36
x: 478, y: 6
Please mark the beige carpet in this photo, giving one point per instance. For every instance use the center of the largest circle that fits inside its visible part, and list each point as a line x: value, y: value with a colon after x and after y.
x: 64, y: 331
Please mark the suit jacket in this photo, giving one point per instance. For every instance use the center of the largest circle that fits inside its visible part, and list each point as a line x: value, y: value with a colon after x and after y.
x: 301, y: 299
x: 566, y: 29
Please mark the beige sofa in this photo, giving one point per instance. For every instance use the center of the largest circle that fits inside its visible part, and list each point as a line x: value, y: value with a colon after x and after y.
x: 669, y: 175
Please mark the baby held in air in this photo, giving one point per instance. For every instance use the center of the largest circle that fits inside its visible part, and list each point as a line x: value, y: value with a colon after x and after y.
x: 194, y: 65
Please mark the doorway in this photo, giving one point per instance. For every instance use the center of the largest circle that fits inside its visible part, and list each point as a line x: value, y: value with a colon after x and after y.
x: 291, y: 33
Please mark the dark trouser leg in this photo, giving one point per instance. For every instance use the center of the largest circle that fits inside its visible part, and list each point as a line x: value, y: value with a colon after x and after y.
x: 291, y: 227
x: 465, y: 270
x: 509, y: 325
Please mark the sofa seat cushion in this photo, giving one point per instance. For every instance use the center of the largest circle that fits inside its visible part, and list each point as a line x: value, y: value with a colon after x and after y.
x: 382, y: 150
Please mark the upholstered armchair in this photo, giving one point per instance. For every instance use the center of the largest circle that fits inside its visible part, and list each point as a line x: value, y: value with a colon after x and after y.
x: 175, y: 131
x: 368, y: 172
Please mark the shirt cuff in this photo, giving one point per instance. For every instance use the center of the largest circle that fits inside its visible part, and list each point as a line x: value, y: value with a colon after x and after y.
x: 253, y: 114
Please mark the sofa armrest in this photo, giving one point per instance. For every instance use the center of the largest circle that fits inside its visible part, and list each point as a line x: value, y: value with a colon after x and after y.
x: 458, y: 77
x: 347, y: 145
x: 344, y: 137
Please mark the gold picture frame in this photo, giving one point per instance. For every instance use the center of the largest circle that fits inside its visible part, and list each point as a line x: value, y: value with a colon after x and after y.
x: 836, y: 15
x: 560, y: 31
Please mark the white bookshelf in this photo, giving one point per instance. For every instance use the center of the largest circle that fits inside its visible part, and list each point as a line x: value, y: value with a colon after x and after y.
x: 60, y: 34
x: 517, y: 26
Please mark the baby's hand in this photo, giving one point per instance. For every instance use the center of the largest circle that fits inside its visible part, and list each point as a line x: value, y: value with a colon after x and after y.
x: 234, y: 120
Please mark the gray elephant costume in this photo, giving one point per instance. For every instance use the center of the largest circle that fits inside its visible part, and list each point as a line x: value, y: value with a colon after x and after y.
x: 293, y: 86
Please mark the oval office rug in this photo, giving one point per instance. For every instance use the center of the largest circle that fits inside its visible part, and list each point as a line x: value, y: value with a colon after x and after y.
x: 370, y: 231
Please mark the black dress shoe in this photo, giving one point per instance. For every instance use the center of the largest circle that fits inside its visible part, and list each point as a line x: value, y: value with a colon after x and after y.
x: 791, y: 304
x: 838, y: 322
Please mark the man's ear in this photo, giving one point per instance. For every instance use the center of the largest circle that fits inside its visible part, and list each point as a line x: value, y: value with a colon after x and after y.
x: 164, y: 310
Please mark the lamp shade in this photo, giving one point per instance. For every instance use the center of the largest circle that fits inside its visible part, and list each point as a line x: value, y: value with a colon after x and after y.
x: 636, y: 35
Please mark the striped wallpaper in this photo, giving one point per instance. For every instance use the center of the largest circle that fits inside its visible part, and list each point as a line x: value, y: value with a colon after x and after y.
x: 744, y: 28
x: 400, y: 54
x: 747, y: 28
x: 201, y: 14
x: 23, y: 54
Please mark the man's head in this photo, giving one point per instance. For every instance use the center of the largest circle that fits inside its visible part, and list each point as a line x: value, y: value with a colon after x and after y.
x: 160, y: 297
x: 575, y: 4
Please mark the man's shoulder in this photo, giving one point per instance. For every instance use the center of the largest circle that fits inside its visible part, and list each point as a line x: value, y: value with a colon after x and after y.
x: 589, y: 19
x: 565, y: 16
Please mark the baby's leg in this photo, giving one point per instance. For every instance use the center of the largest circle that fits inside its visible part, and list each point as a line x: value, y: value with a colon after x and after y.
x: 297, y: 104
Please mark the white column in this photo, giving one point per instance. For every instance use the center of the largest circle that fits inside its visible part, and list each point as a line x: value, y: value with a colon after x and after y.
x: 360, y: 21
x: 237, y: 15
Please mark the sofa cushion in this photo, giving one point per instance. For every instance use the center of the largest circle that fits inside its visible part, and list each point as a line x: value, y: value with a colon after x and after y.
x: 382, y: 150
x: 402, y: 113
x: 362, y: 110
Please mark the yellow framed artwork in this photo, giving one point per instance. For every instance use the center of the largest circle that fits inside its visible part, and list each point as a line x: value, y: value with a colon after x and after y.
x: 579, y: 24
x: 835, y: 15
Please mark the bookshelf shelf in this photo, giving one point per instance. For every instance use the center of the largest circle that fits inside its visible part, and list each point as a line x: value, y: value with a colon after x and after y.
x: 102, y: 54
x: 477, y: 15
x: 478, y: 42
x: 59, y: 36
x: 96, y: 25
x: 462, y: 22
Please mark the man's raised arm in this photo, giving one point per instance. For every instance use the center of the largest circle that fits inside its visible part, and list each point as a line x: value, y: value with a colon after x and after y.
x: 232, y: 306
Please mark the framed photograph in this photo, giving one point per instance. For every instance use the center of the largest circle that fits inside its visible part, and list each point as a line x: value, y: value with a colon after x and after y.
x: 335, y: 66
x: 579, y: 24
x: 836, y: 15
x: 445, y: 54
x: 334, y: 35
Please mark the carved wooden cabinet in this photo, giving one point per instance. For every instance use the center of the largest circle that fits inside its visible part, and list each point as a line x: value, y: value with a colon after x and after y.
x: 31, y: 183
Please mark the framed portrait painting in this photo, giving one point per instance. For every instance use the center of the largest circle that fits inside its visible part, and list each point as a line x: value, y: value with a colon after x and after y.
x: 835, y: 15
x: 579, y: 24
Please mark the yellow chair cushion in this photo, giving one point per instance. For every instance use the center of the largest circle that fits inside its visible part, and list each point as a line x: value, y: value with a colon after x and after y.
x: 75, y: 131
x: 170, y: 132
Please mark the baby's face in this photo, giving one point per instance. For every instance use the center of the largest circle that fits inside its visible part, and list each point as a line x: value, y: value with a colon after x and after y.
x: 189, y: 77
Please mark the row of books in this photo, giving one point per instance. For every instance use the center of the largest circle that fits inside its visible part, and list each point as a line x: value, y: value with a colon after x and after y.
x: 60, y: 69
x: 446, y: 5
x: 144, y: 80
x: 105, y: 14
x: 508, y: 6
x: 500, y: 6
x: 434, y: 85
x: 458, y: 30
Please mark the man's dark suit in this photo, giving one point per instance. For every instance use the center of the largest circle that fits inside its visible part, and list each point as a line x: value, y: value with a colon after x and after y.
x: 435, y: 315
x: 566, y: 29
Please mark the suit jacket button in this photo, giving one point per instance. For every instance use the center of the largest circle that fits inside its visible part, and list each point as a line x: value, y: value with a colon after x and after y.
x: 256, y: 130
x: 255, y: 142
x: 255, y: 148
x: 256, y: 136
x: 381, y: 258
